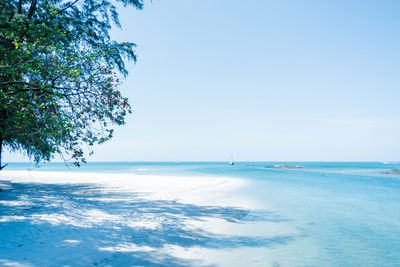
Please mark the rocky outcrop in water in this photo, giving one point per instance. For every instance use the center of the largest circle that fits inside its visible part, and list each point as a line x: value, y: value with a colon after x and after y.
x: 394, y: 171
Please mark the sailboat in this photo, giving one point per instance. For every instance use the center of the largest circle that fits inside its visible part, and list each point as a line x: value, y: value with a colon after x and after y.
x: 231, y: 162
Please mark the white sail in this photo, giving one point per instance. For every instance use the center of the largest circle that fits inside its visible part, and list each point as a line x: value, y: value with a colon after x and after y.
x: 231, y: 162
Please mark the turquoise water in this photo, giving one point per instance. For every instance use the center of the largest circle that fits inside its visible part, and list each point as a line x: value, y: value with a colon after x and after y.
x: 337, y: 214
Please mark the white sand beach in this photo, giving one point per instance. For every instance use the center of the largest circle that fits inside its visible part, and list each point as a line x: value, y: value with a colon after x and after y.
x: 89, y: 219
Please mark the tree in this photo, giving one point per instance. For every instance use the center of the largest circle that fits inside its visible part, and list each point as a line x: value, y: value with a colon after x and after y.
x: 59, y: 76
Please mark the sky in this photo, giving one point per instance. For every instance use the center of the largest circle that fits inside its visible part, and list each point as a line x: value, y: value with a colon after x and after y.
x: 262, y: 80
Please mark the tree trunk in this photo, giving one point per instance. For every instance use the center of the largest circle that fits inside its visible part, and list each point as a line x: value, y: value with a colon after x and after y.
x: 20, y: 7
x: 1, y: 146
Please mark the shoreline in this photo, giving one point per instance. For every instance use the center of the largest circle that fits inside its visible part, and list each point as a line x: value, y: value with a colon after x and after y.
x: 194, y: 189
x: 115, y: 218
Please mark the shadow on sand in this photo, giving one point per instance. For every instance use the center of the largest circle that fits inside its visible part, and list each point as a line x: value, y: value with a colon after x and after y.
x: 87, y: 225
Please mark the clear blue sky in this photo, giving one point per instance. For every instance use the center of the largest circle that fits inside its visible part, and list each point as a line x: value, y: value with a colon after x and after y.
x: 263, y: 80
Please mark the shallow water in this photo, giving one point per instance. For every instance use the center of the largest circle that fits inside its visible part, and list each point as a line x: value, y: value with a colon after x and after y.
x: 325, y: 214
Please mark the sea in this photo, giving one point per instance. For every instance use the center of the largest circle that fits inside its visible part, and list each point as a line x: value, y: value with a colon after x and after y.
x: 314, y: 214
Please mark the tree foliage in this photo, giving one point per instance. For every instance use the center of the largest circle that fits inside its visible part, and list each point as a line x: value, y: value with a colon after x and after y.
x: 59, y: 76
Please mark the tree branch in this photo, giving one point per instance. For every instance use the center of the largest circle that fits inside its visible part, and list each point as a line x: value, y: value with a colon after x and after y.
x: 65, y: 8
x: 2, y: 167
x: 20, y: 7
x: 32, y: 9
x: 30, y: 88
x: 13, y: 82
